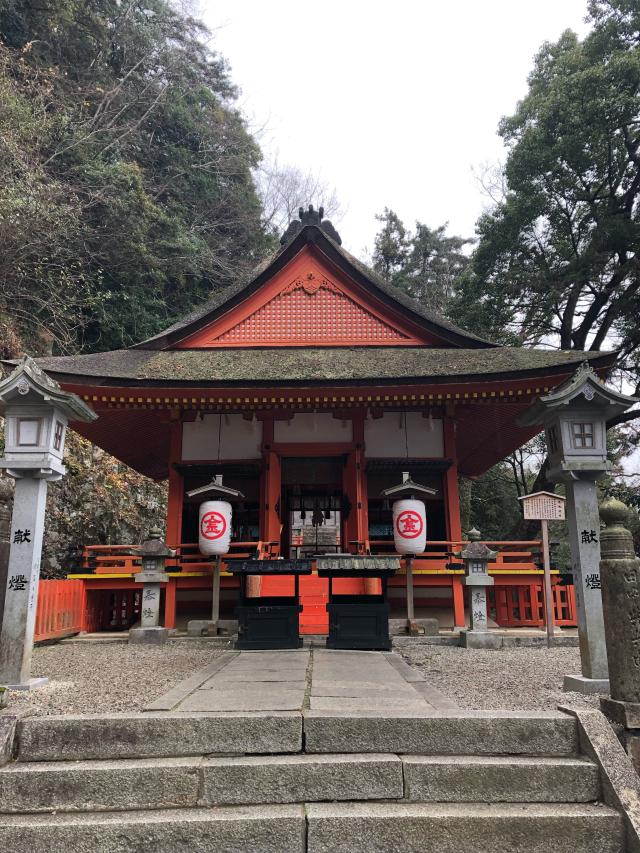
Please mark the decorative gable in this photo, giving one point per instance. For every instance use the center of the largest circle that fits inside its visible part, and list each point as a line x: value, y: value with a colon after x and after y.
x: 311, y: 310
x: 304, y: 305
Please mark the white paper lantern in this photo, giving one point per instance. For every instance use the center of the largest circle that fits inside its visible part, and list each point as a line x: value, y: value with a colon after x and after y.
x: 409, y: 526
x: 214, y: 531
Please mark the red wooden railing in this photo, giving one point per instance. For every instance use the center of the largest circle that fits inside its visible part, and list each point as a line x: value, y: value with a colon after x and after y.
x: 514, y: 556
x: 522, y: 606
x: 517, y: 601
x: 123, y: 559
x: 59, y: 610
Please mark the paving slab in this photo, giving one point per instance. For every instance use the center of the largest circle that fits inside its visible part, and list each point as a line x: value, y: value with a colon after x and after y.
x: 255, y: 697
x: 279, y: 681
x: 366, y: 703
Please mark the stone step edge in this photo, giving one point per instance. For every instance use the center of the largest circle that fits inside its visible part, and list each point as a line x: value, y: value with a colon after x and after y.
x: 139, y: 784
x: 51, y: 738
x: 168, y: 761
x: 347, y: 809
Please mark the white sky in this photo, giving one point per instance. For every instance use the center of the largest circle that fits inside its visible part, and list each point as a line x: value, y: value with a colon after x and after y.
x: 394, y: 104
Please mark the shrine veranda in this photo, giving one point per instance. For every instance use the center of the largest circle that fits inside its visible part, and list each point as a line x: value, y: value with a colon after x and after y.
x: 311, y: 387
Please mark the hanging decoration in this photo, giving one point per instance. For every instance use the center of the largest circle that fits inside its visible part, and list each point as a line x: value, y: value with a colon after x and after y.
x: 215, y: 518
x: 409, y: 515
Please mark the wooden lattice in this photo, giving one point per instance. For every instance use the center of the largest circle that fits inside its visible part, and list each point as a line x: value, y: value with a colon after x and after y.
x: 311, y: 312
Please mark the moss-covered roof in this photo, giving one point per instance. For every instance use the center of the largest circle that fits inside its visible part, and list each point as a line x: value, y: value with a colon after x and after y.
x: 225, y: 299
x: 300, y: 365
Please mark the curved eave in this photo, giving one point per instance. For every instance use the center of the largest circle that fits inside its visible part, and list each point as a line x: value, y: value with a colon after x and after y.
x: 185, y: 369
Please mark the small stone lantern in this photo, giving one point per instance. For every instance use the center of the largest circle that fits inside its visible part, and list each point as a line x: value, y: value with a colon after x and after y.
x: 476, y: 557
x: 154, y: 553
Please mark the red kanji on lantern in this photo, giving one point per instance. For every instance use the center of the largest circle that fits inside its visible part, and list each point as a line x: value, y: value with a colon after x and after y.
x: 409, y: 524
x: 213, y: 525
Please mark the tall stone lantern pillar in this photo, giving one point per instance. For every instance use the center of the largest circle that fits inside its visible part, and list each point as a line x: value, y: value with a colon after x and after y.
x: 36, y: 412
x: 575, y: 417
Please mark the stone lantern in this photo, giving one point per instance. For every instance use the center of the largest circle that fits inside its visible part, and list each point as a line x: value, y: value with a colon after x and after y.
x: 154, y: 553
x: 36, y: 412
x: 476, y: 557
x: 575, y: 417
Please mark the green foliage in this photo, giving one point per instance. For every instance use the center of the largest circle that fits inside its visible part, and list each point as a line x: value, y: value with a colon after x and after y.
x: 557, y: 259
x: 99, y: 502
x: 127, y: 171
x: 425, y: 263
x: 494, y: 507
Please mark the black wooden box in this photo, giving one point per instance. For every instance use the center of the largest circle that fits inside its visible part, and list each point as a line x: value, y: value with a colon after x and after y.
x: 358, y: 622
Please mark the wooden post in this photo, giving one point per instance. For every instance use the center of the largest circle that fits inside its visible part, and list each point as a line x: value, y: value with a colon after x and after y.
x: 458, y: 602
x: 408, y: 563
x: 170, y: 604
x: 548, y: 594
x: 215, y: 595
x: 176, y: 488
x: 451, y: 494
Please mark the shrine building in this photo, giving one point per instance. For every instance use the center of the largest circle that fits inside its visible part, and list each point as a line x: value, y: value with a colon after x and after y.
x: 311, y: 386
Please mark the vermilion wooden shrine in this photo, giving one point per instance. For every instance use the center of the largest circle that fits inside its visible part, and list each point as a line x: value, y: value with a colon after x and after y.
x: 311, y: 386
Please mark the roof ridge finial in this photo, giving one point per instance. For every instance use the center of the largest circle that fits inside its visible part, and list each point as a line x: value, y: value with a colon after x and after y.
x: 307, y: 217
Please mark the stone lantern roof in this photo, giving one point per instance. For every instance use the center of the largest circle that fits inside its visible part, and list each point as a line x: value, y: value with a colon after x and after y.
x: 476, y: 550
x: 584, y: 383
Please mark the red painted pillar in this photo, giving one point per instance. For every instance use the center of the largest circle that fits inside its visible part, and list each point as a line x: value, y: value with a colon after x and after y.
x: 458, y: 601
x: 84, y: 603
x: 451, y: 495
x: 170, y: 604
x: 270, y: 524
x: 176, y: 488
x: 270, y: 496
x: 452, y: 510
x: 355, y: 487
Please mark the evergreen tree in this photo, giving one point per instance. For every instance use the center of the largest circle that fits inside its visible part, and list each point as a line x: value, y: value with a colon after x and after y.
x: 425, y: 263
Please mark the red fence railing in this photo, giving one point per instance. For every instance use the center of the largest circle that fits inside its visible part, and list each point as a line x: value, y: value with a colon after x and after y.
x: 124, y: 559
x: 59, y: 609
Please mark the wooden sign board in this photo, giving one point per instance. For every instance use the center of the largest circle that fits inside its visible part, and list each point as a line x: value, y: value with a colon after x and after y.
x: 543, y: 506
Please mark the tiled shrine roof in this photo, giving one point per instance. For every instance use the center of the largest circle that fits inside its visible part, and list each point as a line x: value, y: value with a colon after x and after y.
x: 316, y: 365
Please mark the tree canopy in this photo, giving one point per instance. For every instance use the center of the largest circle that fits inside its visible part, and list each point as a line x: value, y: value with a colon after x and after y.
x: 425, y: 263
x: 127, y: 189
x: 557, y: 255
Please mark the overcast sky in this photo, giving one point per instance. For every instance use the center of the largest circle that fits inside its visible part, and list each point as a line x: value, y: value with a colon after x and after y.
x: 393, y: 103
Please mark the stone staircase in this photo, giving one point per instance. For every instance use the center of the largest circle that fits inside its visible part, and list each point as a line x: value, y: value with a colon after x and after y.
x: 479, y: 782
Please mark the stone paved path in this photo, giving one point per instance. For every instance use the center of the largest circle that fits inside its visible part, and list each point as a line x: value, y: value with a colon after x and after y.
x: 318, y: 679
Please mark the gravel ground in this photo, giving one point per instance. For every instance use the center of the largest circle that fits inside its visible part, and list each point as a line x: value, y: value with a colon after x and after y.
x: 528, y: 678
x: 103, y: 678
